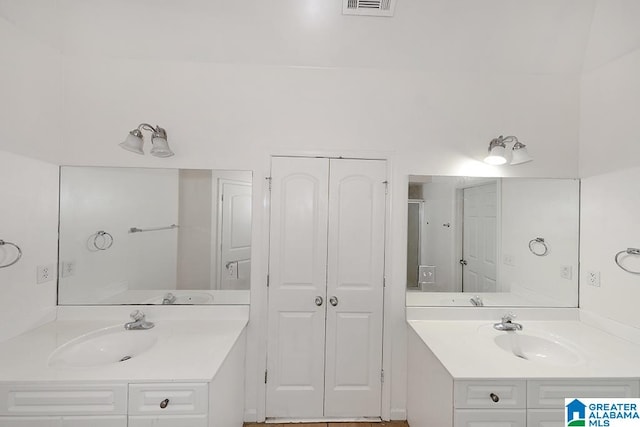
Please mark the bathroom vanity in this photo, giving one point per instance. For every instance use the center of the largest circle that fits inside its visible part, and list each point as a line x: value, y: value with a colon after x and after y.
x: 186, y: 371
x: 464, y: 373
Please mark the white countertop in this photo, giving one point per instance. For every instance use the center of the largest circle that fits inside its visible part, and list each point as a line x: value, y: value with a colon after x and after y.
x: 186, y: 350
x: 466, y: 348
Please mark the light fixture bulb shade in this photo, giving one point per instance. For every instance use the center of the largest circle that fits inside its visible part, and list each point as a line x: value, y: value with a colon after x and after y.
x: 160, y: 147
x: 496, y: 156
x: 520, y: 155
x: 133, y: 143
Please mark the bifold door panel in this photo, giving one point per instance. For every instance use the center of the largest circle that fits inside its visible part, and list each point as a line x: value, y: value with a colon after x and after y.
x: 326, y: 272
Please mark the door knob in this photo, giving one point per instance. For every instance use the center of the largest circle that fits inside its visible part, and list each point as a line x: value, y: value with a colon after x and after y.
x: 463, y: 261
x: 319, y: 300
x: 334, y: 301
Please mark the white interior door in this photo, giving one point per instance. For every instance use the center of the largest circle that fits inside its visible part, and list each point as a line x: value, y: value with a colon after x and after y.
x: 234, y: 264
x: 297, y: 269
x: 355, y: 288
x: 479, y: 249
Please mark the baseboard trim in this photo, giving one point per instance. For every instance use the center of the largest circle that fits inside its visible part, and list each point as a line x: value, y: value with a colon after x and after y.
x: 398, y: 414
x: 322, y: 420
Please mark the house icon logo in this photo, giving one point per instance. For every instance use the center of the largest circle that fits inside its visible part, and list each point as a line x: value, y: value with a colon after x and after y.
x: 576, y: 413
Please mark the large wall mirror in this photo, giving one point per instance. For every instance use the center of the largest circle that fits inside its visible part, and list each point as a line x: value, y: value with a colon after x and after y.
x: 492, y: 241
x: 154, y: 236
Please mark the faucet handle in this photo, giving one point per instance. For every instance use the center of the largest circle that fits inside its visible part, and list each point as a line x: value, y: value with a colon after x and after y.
x: 137, y: 315
x: 507, y: 318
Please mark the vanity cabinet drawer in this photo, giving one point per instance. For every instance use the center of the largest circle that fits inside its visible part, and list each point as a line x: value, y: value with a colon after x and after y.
x: 167, y: 399
x: 490, y: 418
x: 26, y: 399
x: 551, y: 393
x: 490, y: 394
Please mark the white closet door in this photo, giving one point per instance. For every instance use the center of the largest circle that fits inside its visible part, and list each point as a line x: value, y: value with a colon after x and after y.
x: 355, y: 279
x: 297, y: 268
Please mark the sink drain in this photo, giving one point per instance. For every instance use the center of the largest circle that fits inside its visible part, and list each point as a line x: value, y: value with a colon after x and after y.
x: 124, y: 358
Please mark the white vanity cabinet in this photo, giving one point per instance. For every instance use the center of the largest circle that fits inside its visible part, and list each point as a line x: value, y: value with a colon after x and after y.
x: 437, y: 399
x: 192, y: 375
x: 118, y: 405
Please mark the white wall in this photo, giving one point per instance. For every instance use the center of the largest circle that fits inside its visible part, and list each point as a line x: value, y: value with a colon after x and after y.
x: 194, y: 262
x: 610, y: 206
x: 28, y: 218
x: 31, y: 99
x: 547, y: 208
x: 31, y: 95
x: 609, y: 159
x: 115, y: 200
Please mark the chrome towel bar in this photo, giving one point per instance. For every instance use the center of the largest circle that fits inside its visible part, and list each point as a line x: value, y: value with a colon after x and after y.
x: 628, y: 251
x: 17, y: 258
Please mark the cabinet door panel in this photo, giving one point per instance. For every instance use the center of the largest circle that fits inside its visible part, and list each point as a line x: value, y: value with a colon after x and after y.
x: 545, y: 417
x: 168, y: 421
x: 297, y: 277
x: 355, y: 273
x: 490, y: 418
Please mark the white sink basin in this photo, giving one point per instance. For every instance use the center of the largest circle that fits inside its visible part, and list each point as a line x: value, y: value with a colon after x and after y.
x: 537, y: 349
x: 185, y: 298
x: 103, y: 347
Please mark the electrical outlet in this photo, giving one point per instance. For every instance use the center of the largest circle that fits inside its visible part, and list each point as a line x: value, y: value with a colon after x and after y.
x: 68, y: 268
x: 593, y: 278
x: 44, y: 273
x: 566, y: 272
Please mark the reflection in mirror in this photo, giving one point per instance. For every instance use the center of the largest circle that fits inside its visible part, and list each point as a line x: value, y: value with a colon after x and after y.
x: 492, y: 241
x: 154, y: 236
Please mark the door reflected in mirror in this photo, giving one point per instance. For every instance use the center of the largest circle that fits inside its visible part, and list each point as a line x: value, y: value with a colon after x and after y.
x: 492, y: 241
x: 154, y: 236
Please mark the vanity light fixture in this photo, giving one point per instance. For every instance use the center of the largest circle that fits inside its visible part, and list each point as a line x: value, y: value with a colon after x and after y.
x: 498, y: 151
x: 159, y: 144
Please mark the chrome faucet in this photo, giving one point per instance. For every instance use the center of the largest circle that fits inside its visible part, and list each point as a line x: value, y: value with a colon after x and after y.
x: 139, y: 322
x: 476, y: 301
x: 169, y: 298
x: 507, y: 323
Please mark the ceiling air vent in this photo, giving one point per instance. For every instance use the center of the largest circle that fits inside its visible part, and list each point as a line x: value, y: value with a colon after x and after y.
x: 368, y: 7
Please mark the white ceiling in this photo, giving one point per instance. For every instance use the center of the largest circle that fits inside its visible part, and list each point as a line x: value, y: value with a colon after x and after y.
x: 523, y: 36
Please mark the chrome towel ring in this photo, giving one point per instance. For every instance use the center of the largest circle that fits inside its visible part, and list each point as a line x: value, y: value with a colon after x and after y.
x: 102, y: 240
x: 3, y: 243
x: 538, y: 247
x: 628, y: 251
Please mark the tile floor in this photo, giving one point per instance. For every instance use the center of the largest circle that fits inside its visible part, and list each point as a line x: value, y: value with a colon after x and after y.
x: 363, y: 424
